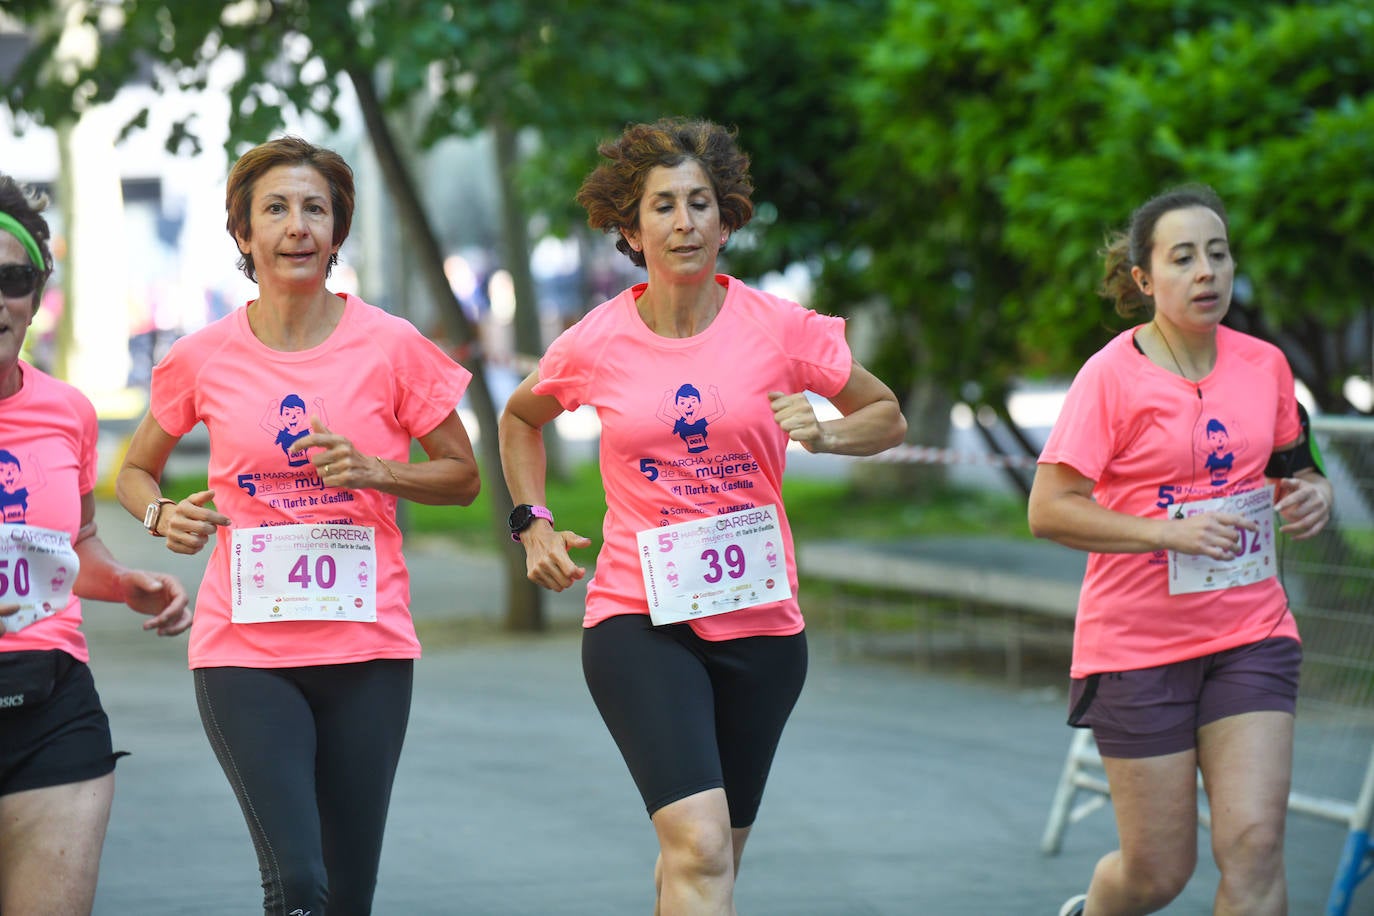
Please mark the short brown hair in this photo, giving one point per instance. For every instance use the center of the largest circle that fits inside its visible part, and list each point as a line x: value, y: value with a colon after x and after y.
x: 612, y: 192
x: 258, y: 161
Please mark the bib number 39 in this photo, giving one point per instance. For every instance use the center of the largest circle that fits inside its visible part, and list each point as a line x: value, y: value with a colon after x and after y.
x: 734, y: 559
x: 714, y: 565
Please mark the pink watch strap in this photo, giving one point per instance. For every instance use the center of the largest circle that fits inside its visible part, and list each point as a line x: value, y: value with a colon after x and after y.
x: 538, y: 512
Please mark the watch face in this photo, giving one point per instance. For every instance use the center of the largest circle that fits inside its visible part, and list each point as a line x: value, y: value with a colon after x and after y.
x: 520, y: 518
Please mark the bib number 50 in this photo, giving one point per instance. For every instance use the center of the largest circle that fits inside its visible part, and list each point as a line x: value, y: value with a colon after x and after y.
x: 20, y: 581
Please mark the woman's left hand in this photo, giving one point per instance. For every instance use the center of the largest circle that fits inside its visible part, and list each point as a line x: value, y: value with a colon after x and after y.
x: 337, y: 462
x: 795, y: 416
x: 159, y: 595
x: 1304, y: 503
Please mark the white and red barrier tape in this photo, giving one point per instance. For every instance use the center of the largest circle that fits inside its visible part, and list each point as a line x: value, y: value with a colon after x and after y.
x: 922, y: 454
x: 901, y: 454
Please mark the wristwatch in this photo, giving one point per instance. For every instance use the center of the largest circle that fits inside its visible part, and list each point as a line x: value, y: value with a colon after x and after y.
x: 523, y: 515
x: 154, y: 513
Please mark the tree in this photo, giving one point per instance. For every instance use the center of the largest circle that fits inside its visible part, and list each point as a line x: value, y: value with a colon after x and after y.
x: 999, y: 143
x: 519, y: 64
x: 794, y: 110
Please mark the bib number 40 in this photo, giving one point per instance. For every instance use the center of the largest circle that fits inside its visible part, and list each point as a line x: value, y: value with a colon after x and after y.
x: 325, y: 572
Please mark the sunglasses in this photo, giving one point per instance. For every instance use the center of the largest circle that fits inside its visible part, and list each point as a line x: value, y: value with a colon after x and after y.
x: 18, y: 280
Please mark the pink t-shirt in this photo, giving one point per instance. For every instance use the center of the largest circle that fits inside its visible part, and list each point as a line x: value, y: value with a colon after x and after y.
x: 687, y: 430
x: 1149, y: 441
x: 375, y: 380
x: 47, y: 462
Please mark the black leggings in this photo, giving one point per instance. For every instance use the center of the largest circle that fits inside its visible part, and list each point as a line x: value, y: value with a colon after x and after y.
x: 689, y: 714
x: 311, y: 754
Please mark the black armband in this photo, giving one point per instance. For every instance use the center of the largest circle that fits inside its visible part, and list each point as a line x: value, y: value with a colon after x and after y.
x: 1300, y: 457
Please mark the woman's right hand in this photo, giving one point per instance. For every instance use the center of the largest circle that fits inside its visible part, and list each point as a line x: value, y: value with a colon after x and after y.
x: 191, y: 523
x: 5, y: 611
x: 547, y: 562
x: 1210, y: 534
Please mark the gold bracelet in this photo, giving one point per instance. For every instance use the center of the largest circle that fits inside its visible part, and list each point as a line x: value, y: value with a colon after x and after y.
x: 394, y: 478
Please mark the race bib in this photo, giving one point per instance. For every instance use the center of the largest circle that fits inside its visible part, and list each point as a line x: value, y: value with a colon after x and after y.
x: 713, y: 565
x: 38, y: 568
x: 1254, y: 560
x: 303, y: 572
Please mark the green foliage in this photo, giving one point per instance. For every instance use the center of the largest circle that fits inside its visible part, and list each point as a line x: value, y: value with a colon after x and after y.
x: 571, y: 69
x: 791, y: 106
x: 1000, y: 143
x: 598, y: 66
x: 958, y: 161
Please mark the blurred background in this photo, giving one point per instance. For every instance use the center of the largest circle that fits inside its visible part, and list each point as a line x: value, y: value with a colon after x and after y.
x: 943, y: 173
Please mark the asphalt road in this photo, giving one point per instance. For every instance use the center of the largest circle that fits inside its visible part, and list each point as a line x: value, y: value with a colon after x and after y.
x: 897, y: 790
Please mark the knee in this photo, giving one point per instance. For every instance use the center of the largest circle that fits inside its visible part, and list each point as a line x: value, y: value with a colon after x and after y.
x: 290, y: 886
x: 1155, y: 892
x: 701, y: 846
x: 1154, y: 885
x: 1251, y: 853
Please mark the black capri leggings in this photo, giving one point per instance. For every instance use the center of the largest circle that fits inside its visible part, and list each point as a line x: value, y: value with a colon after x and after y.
x: 689, y: 714
x: 311, y: 754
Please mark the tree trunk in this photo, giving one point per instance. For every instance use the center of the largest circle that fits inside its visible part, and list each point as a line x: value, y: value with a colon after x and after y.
x: 66, y: 204
x: 524, y: 601
x: 515, y: 243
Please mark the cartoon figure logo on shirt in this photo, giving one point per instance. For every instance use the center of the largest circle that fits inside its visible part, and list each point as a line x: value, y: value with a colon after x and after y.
x: 683, y: 412
x: 1219, y: 443
x: 59, y: 578
x: 14, y: 495
x: 770, y: 554
x: 672, y: 574
x: 1220, y: 458
x: 287, y: 421
x: 362, y: 573
x: 259, y: 576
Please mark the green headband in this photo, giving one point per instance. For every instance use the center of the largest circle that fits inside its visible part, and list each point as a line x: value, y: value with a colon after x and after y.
x: 12, y: 226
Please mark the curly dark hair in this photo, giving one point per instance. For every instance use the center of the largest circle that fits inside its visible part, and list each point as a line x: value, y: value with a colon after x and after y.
x: 26, y: 206
x: 258, y: 161
x: 612, y: 192
x: 1132, y: 248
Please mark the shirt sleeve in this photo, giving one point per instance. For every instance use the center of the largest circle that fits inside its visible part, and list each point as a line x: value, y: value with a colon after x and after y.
x: 90, y: 432
x: 1084, y: 435
x: 562, y: 371
x: 430, y: 384
x: 1287, y: 426
x: 820, y: 356
x: 171, y: 398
